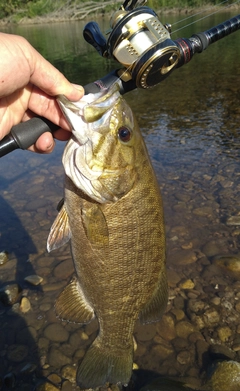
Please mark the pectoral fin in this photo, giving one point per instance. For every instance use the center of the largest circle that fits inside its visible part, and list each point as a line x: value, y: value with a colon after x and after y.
x: 60, y: 232
x: 95, y: 225
x: 154, y: 309
x: 72, y: 305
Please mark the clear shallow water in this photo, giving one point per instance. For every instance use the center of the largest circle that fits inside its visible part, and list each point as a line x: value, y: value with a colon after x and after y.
x: 191, y: 125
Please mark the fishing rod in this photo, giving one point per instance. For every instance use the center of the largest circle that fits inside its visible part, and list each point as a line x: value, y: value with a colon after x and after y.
x: 143, y: 45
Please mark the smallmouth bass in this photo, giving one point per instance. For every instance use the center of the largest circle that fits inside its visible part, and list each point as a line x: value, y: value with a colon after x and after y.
x: 113, y: 215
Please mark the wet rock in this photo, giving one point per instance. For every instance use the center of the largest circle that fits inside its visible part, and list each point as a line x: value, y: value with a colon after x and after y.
x: 179, y: 343
x: 184, y: 329
x: 9, y: 294
x: 66, y: 386
x: 196, y: 306
x: 25, y: 305
x: 224, y: 333
x: 17, y: 353
x: 57, y: 359
x: 211, y: 317
x: 166, y: 327
x: 145, y: 332
x: 46, y: 386
x: 69, y: 372
x: 184, y: 257
x: 173, y: 277
x: 37, y: 203
x: 187, y: 284
x: 23, y: 335
x: 162, y: 351
x: 203, y: 211
x: 226, y: 377
x: 184, y: 357
x: 34, y: 279
x: 54, y: 378
x: 3, y: 257
x: 211, y: 248
x: 64, y: 269
x: 179, y: 314
x: 56, y: 332
x: 233, y: 220
x: 229, y: 264
x: 45, y: 307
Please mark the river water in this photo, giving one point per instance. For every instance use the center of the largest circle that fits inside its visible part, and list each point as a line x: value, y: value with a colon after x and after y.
x: 191, y: 125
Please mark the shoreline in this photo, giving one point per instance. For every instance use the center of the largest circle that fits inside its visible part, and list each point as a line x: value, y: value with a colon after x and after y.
x: 62, y: 17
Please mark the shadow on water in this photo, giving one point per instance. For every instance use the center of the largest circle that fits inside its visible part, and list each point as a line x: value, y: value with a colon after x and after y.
x: 14, y: 239
x: 19, y: 357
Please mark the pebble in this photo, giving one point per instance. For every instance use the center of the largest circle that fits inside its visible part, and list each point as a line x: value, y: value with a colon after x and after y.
x: 184, y: 257
x: 166, y: 327
x: 57, y: 359
x: 54, y: 378
x: 187, y: 284
x: 56, y: 332
x: 64, y: 269
x: 46, y: 386
x: 233, y: 220
x: 3, y: 257
x: 9, y: 294
x: 69, y: 372
x: 224, y: 333
x: 66, y: 386
x: 211, y: 248
x: 229, y: 264
x: 34, y: 279
x: 17, y: 353
x: 184, y: 357
x: 25, y: 305
x: 145, y: 332
x: 184, y: 329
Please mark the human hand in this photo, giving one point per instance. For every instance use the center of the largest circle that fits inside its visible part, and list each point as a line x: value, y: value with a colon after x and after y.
x: 28, y: 86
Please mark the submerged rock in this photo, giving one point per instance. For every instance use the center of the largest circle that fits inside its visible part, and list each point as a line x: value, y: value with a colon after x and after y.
x: 226, y: 377
x: 9, y: 294
x: 229, y: 264
x: 34, y: 279
x: 25, y: 305
x: 166, y: 385
x: 3, y: 257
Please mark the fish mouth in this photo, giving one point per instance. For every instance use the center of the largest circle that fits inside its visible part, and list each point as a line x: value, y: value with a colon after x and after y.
x: 90, y: 108
x: 87, y: 118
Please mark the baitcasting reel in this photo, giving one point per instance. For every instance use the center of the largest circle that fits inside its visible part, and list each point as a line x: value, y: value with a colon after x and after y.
x: 139, y: 41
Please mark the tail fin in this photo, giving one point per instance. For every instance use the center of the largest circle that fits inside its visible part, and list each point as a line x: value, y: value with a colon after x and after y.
x: 101, y: 365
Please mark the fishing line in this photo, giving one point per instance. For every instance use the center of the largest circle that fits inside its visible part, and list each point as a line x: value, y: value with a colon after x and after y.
x: 200, y: 12
x: 204, y: 17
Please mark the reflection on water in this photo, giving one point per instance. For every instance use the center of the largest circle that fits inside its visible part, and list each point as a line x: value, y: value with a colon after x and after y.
x: 191, y: 125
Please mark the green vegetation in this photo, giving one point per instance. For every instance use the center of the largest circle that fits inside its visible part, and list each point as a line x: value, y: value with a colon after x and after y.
x: 15, y: 10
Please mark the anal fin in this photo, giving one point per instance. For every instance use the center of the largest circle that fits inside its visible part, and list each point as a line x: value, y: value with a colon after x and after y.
x: 71, y: 305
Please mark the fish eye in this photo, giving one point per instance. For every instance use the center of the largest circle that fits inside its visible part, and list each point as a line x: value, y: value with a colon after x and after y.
x: 124, y: 134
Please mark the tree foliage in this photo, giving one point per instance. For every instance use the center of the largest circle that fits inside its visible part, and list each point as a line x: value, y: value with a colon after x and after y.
x: 17, y: 9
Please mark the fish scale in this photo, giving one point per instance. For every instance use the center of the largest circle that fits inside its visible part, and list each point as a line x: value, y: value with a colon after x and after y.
x: 117, y: 237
